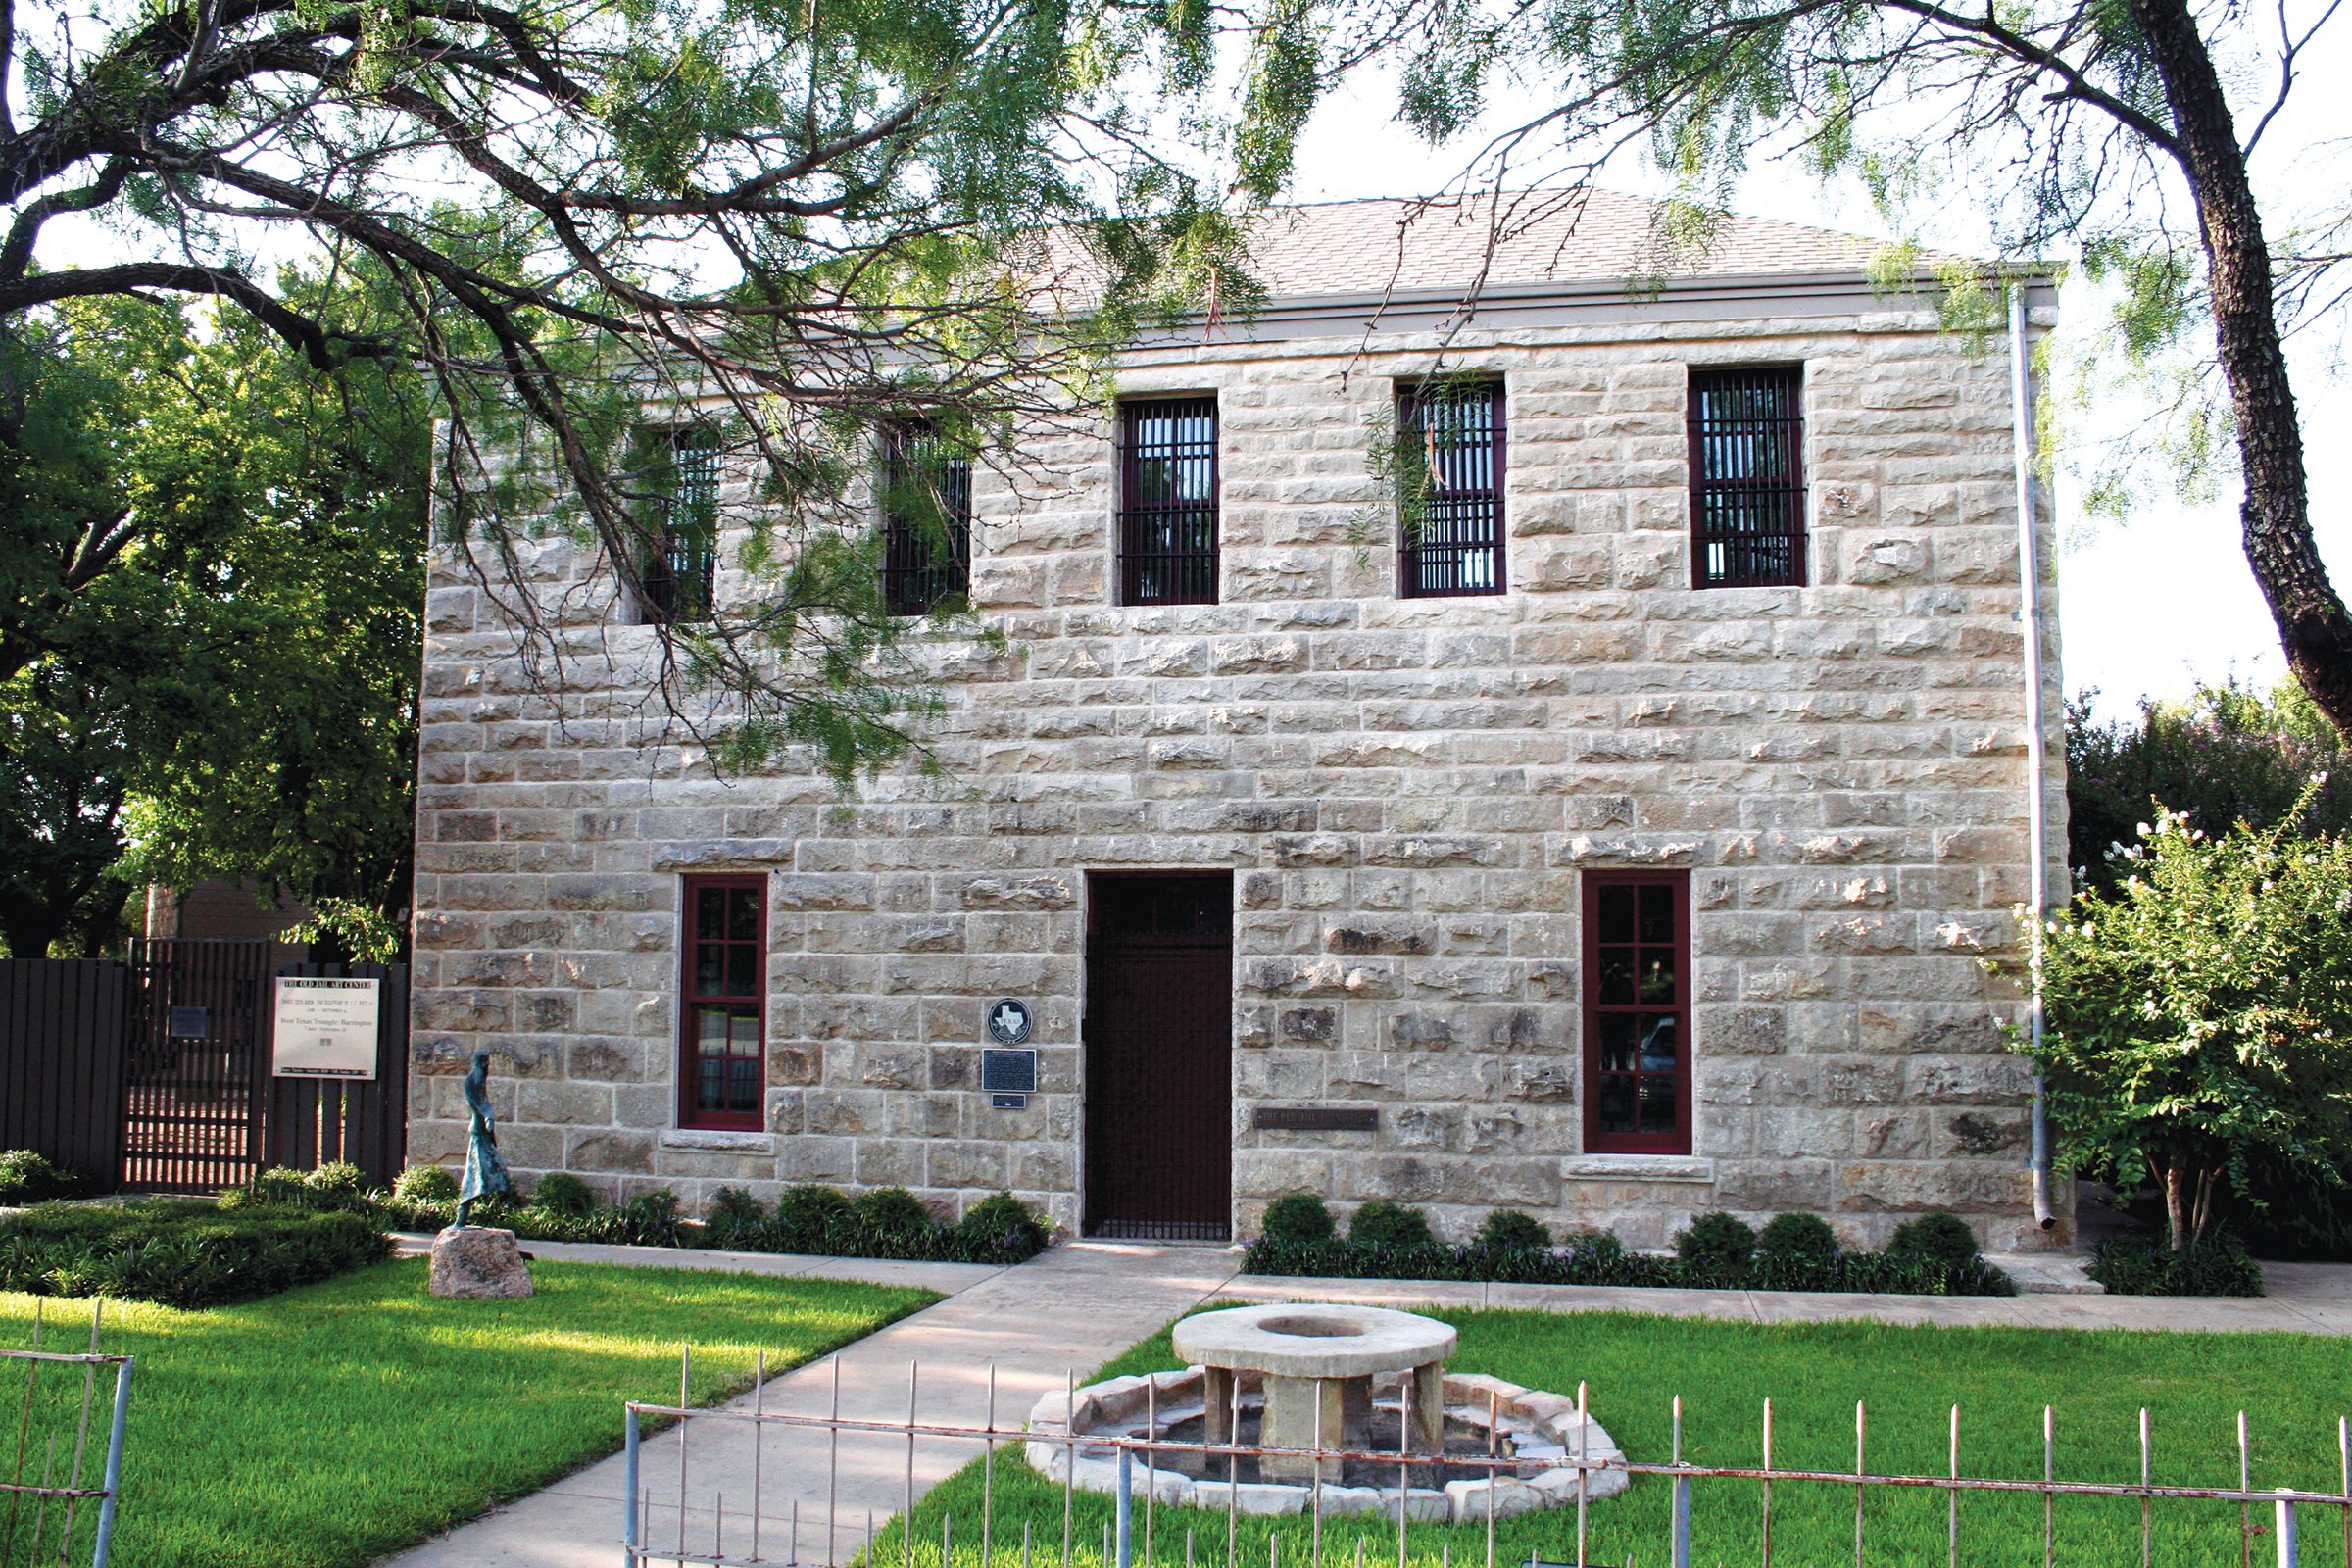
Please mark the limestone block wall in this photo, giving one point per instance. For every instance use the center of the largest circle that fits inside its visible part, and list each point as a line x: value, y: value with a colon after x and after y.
x: 1406, y: 791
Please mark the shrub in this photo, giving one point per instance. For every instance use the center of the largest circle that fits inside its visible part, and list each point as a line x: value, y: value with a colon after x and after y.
x: 1716, y: 1250
x: 1939, y: 1238
x: 564, y: 1195
x: 2213, y: 1265
x: 1300, y: 1217
x: 813, y: 1219
x: 425, y: 1184
x: 1805, y: 1238
x: 650, y: 1219
x: 891, y: 1222
x: 1383, y: 1222
x: 181, y: 1252
x: 26, y: 1176
x: 1508, y: 1230
x: 999, y: 1229
x: 2200, y: 1015
x: 737, y: 1221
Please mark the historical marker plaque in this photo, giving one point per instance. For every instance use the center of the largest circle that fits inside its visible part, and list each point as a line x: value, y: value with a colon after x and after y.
x: 1009, y: 1072
x: 1316, y: 1119
x: 323, y: 1027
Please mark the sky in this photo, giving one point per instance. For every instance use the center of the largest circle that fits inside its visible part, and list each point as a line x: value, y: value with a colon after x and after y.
x: 2148, y: 606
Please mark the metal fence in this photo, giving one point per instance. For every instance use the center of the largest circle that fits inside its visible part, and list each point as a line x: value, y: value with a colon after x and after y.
x: 671, y: 1518
x: 52, y: 1420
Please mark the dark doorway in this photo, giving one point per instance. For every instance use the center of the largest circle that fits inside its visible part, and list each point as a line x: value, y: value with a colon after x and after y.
x: 1159, y: 1055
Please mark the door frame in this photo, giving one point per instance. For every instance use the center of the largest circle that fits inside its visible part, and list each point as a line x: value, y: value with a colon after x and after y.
x: 1092, y: 880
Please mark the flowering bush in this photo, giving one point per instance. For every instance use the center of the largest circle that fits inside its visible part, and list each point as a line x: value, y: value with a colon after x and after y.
x: 2200, y: 1014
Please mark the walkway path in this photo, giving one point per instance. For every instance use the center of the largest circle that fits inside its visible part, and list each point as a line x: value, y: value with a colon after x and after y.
x: 1079, y: 1305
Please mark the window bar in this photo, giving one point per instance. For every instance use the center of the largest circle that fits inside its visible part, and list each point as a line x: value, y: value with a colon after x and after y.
x: 1454, y: 546
x: 680, y: 578
x: 1747, y: 492
x: 1168, y: 484
x: 927, y: 529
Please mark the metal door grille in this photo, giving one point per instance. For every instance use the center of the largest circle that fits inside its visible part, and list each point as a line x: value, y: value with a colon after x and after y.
x: 927, y: 526
x: 1168, y: 501
x: 1451, y: 447
x: 1748, y: 483
x: 1160, y: 1056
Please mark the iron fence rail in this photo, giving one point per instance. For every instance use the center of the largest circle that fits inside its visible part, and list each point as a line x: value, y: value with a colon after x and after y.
x: 1150, y: 1451
x: 56, y: 1499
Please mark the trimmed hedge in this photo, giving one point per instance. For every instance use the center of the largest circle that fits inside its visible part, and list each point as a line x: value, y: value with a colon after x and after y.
x: 1718, y: 1250
x: 2215, y: 1265
x: 882, y: 1222
x: 26, y: 1176
x: 181, y: 1252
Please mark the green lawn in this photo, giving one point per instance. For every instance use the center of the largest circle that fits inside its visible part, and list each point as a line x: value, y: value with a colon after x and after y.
x: 2292, y: 1387
x: 337, y: 1423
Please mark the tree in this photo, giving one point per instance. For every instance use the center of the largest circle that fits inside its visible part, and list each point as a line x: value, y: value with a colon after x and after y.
x: 214, y: 576
x: 2201, y: 1018
x: 2228, y: 754
x: 2081, y: 125
x: 795, y: 219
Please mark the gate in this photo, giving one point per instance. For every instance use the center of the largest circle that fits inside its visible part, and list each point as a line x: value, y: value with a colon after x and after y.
x: 193, y: 1068
x: 200, y: 1108
x: 1159, y: 1055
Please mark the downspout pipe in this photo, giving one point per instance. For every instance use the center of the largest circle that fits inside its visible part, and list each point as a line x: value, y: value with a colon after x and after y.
x: 2038, y: 815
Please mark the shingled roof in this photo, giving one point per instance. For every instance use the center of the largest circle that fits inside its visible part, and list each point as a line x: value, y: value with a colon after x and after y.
x: 1359, y: 247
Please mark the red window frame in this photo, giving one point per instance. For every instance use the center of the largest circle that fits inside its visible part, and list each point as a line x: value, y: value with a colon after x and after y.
x: 1623, y: 1007
x: 731, y: 989
x: 1170, y: 497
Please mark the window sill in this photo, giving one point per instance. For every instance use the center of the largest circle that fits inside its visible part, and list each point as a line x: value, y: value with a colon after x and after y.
x: 719, y: 1141
x: 1637, y: 1169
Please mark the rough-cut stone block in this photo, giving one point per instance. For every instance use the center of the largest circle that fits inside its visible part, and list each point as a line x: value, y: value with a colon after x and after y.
x: 478, y: 1262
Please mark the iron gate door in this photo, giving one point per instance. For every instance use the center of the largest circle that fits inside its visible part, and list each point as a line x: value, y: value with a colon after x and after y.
x: 193, y: 1067
x: 1159, y: 1055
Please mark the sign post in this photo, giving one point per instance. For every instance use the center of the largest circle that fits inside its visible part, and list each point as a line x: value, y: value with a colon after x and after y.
x: 324, y: 1028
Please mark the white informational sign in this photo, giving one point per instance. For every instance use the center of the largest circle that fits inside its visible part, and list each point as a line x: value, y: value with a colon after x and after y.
x: 325, y: 1028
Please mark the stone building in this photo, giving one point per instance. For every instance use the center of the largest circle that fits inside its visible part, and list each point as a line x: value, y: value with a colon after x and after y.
x: 1613, y: 829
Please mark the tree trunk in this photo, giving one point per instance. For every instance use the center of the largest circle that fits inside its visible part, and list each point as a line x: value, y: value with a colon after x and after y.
x: 2175, y: 1205
x: 2276, y: 515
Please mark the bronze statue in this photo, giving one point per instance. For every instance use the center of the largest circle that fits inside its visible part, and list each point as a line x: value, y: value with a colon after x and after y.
x: 485, y: 1171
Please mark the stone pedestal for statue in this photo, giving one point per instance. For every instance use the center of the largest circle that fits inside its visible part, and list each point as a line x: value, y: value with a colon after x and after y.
x: 477, y: 1262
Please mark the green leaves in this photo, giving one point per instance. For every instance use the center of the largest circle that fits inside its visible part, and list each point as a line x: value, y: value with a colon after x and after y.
x: 2200, y: 1014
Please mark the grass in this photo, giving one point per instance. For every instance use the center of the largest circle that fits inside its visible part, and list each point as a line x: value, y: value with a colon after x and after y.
x: 2293, y: 1388
x: 337, y: 1423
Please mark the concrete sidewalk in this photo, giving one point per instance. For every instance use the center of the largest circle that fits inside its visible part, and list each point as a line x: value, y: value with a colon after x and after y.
x: 1075, y: 1307
x: 1069, y: 1310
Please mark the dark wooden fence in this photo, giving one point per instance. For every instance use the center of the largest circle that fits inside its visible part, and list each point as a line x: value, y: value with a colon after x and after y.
x: 154, y: 1074
x: 62, y: 1028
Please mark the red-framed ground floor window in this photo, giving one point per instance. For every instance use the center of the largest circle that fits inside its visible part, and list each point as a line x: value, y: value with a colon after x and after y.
x: 722, y: 1011
x: 1636, y: 992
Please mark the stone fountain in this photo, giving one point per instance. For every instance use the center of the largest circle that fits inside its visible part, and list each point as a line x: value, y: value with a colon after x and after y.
x: 1362, y: 1380
x: 1316, y: 1366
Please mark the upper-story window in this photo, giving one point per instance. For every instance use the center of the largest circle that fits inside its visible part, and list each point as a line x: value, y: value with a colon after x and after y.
x: 1168, y: 501
x: 1748, y: 479
x: 927, y: 520
x: 682, y: 525
x: 1450, y: 459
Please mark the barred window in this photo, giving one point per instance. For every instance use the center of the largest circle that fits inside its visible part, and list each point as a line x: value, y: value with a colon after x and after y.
x: 1747, y: 481
x: 1449, y: 488
x: 682, y: 533
x: 1168, y: 501
x: 927, y: 520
